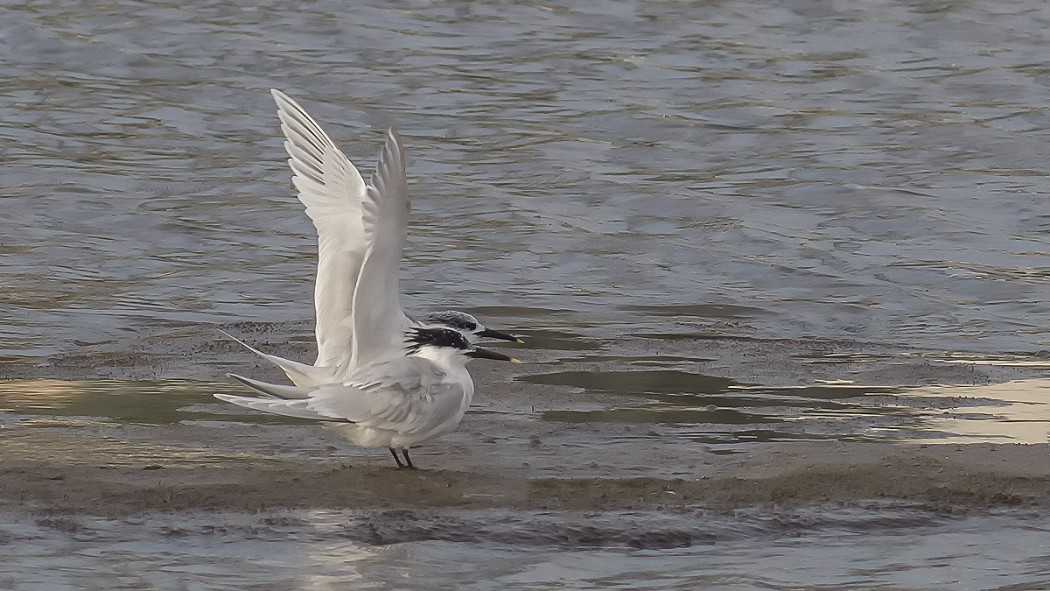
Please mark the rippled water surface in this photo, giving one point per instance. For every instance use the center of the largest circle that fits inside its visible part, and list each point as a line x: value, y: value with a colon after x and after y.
x: 858, y: 549
x: 873, y: 544
x: 873, y: 170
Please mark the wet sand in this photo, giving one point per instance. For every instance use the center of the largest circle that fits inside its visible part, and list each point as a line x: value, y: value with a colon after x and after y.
x: 69, y: 473
x: 503, y: 456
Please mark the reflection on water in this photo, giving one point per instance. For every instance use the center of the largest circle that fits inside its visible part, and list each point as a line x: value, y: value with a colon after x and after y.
x: 718, y: 410
x: 1014, y: 412
x: 889, y: 547
x: 704, y: 408
x: 153, y: 403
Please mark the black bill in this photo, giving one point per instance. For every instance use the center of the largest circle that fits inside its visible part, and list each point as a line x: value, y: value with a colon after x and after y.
x: 479, y: 353
x: 488, y: 333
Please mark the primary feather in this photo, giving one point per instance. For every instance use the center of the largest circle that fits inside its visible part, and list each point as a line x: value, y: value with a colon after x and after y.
x: 333, y: 192
x: 379, y: 320
x: 300, y: 374
x: 361, y: 234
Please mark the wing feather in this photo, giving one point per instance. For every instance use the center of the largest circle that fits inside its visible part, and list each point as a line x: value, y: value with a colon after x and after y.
x: 379, y: 320
x: 300, y: 374
x: 403, y: 394
x: 393, y: 409
x: 274, y: 390
x: 288, y: 408
x: 332, y: 190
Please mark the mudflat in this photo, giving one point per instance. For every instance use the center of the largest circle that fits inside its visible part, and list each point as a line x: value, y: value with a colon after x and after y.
x: 505, y: 455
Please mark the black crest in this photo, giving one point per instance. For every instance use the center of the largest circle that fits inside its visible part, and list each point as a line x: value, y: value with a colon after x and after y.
x: 451, y: 318
x: 436, y: 337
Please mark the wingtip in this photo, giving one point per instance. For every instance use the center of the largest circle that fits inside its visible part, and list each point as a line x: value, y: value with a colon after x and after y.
x: 284, y: 102
x: 390, y: 168
x: 394, y: 138
x: 228, y: 335
x: 240, y: 380
x: 238, y: 341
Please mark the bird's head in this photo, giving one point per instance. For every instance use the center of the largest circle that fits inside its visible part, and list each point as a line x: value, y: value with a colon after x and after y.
x: 445, y: 343
x: 468, y: 325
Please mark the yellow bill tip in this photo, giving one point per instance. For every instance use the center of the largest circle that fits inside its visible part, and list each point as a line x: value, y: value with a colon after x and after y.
x: 513, y: 360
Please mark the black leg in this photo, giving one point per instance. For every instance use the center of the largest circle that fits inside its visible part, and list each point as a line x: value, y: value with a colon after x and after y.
x: 393, y: 452
x: 404, y: 451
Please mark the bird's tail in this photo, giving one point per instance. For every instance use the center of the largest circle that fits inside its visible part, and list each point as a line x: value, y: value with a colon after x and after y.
x: 288, y: 408
x: 274, y: 390
x: 300, y: 374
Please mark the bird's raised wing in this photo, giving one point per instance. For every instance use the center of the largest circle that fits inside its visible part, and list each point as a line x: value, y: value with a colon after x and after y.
x: 332, y: 190
x: 379, y: 320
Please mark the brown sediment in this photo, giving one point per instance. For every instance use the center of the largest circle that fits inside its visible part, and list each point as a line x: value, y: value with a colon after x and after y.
x: 504, y: 455
x: 68, y: 473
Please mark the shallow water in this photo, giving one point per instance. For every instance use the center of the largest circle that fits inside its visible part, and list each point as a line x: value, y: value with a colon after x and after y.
x: 892, y: 547
x: 713, y: 411
x: 870, y: 544
x: 673, y: 171
x: 826, y: 169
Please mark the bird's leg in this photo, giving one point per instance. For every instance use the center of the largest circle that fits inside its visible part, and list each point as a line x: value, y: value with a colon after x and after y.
x: 408, y: 460
x: 393, y: 452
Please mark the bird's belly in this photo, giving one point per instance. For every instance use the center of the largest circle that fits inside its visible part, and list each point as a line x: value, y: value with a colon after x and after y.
x: 364, y: 436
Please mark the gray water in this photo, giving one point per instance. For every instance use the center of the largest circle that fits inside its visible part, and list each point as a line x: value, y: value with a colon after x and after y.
x: 872, y: 171
x: 876, y: 548
x: 863, y: 546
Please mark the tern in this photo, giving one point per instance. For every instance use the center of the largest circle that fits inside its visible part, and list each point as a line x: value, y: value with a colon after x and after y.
x: 384, y: 379
x: 354, y: 221
x: 397, y: 403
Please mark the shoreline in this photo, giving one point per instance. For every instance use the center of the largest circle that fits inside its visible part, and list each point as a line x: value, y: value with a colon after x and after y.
x: 504, y: 455
x: 101, y: 471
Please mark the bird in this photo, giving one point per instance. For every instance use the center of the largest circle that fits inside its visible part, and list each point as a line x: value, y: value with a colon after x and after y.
x: 382, y: 378
x: 398, y: 402
x: 338, y: 202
